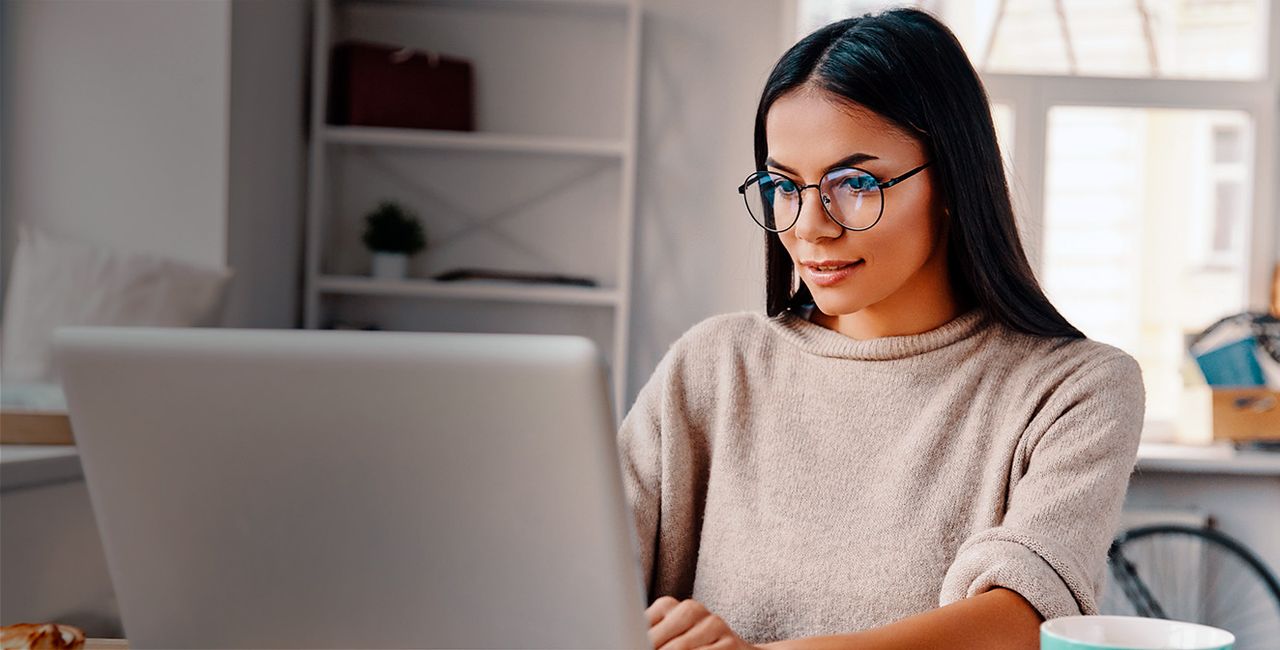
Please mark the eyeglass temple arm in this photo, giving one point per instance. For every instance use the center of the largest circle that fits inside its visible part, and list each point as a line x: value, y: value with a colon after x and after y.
x: 894, y: 181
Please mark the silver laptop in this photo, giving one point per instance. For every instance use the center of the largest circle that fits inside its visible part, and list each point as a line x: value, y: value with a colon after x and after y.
x: 275, y: 489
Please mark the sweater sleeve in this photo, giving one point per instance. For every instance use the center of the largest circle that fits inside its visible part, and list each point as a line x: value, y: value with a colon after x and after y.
x: 1063, y: 511
x: 662, y: 471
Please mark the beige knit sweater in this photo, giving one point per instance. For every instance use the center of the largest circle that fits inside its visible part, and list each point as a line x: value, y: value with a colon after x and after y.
x: 800, y: 482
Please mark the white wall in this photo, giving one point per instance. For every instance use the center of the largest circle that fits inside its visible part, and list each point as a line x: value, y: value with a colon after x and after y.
x: 118, y: 122
x: 165, y: 127
x: 697, y: 252
x: 5, y: 239
x: 266, y: 163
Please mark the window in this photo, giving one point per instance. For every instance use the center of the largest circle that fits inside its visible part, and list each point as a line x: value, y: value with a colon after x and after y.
x: 1132, y: 132
x: 1134, y: 208
x: 1189, y: 39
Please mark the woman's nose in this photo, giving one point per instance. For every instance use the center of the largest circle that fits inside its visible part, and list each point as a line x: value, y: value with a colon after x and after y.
x: 813, y: 223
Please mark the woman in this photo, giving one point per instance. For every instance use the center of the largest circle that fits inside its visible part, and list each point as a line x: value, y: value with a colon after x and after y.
x: 913, y: 450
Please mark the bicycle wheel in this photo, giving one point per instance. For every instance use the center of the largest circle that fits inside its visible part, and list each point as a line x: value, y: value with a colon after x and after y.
x: 1197, y: 575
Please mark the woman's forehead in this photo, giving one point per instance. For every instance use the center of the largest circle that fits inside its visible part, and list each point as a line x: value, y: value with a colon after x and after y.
x: 812, y: 129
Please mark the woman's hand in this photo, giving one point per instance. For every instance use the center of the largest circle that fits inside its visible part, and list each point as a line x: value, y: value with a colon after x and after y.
x: 688, y: 625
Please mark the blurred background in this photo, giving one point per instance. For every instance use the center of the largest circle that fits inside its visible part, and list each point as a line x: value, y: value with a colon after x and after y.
x: 600, y: 142
x: 569, y: 166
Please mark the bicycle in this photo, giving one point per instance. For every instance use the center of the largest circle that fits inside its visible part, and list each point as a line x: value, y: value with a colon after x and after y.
x: 1194, y: 574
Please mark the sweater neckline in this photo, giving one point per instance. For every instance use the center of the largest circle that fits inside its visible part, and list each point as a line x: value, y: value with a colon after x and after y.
x: 814, y: 338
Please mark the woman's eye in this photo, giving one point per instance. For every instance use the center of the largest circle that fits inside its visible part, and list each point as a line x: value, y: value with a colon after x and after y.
x: 856, y: 184
x: 786, y: 186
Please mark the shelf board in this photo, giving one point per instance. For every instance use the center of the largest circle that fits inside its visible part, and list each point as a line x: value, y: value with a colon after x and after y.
x: 472, y: 141
x: 495, y: 290
x: 608, y: 5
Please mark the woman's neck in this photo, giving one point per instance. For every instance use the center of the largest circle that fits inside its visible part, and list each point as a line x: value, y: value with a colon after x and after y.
x: 925, y: 302
x: 876, y: 321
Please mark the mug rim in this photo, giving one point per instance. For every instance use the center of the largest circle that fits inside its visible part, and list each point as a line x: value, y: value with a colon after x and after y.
x: 1047, y: 628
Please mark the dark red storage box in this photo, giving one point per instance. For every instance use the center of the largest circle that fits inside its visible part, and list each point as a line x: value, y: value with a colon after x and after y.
x: 383, y: 85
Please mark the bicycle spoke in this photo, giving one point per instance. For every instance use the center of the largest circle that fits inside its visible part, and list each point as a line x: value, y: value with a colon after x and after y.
x: 1194, y: 575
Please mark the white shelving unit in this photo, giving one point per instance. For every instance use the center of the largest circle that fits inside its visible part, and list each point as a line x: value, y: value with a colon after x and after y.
x: 495, y: 142
x: 545, y: 184
x: 476, y: 290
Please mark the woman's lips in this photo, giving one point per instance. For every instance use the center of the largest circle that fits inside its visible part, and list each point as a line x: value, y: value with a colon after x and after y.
x: 829, y: 278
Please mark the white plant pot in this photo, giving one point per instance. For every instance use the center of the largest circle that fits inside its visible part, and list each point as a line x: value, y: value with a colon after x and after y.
x: 390, y: 266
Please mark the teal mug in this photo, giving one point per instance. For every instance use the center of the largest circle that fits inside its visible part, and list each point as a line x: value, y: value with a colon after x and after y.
x: 1130, y: 633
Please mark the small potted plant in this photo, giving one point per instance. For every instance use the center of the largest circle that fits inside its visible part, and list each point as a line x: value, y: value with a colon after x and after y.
x: 392, y: 233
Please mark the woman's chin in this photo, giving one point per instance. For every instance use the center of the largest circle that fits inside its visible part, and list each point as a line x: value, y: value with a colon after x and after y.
x: 836, y: 306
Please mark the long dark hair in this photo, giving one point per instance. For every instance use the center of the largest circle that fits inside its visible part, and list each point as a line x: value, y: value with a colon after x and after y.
x: 908, y: 67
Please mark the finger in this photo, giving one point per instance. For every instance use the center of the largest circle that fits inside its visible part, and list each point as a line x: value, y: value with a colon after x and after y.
x: 707, y: 631
x: 725, y: 643
x: 659, y: 608
x: 676, y: 622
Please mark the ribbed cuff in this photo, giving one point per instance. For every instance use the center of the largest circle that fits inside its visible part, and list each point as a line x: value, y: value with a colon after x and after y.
x: 1014, y: 566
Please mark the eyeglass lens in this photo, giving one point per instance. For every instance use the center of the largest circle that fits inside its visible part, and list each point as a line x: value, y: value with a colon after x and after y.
x: 851, y: 196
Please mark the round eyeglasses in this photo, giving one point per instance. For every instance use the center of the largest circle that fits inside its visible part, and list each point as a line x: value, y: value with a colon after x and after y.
x: 851, y: 197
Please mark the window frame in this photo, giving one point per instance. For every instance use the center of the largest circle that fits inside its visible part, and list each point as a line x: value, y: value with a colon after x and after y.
x: 1032, y: 96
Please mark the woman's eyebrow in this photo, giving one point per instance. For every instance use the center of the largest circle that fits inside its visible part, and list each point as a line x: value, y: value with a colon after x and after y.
x: 851, y: 159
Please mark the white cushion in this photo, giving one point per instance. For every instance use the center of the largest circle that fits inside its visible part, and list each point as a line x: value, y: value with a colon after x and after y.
x: 57, y: 282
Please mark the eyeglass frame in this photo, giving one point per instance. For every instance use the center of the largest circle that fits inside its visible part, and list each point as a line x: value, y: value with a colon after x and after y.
x: 880, y: 185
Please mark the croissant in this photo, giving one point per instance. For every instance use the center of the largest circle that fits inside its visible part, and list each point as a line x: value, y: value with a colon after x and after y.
x: 41, y: 636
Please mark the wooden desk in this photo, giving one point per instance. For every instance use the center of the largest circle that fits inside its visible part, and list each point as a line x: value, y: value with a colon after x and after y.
x: 106, y: 644
x: 28, y: 427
